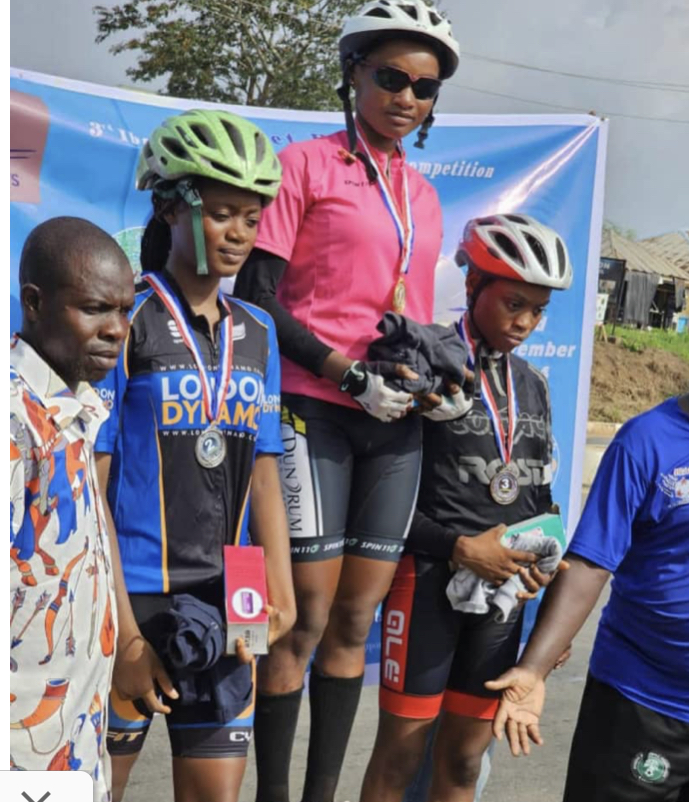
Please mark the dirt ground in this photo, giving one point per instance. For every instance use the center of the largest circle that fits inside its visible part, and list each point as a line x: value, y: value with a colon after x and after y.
x: 625, y: 383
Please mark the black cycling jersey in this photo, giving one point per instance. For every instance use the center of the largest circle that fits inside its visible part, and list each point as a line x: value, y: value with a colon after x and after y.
x: 434, y: 656
x: 460, y: 457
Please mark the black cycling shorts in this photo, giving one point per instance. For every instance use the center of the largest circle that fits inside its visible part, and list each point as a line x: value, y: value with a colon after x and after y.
x: 349, y: 481
x: 193, y: 729
x: 434, y: 657
x: 625, y: 752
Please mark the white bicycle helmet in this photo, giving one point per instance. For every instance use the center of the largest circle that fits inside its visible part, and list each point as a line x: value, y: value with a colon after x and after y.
x: 380, y: 19
x: 516, y: 247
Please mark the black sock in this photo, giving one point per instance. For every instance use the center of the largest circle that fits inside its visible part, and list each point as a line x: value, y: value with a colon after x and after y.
x: 275, y: 722
x: 334, y: 701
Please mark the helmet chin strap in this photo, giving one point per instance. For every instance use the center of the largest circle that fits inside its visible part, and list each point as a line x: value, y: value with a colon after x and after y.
x: 484, y: 280
x: 481, y: 345
x: 191, y: 196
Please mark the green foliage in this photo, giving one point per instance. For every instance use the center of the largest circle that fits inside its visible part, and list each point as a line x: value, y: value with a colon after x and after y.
x: 278, y: 53
x: 639, y: 340
x: 628, y: 233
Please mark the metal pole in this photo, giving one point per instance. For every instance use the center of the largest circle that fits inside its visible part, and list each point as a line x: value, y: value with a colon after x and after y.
x: 619, y: 296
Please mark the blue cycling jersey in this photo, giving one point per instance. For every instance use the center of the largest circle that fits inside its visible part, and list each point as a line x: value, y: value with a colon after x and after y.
x: 173, y: 515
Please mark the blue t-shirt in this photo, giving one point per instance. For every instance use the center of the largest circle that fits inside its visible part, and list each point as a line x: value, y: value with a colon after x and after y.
x: 636, y: 525
x: 172, y: 515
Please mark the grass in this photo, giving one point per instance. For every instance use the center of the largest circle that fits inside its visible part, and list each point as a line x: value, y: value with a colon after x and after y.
x: 639, y: 340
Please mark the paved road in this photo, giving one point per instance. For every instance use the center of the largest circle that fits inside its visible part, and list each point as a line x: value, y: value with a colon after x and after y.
x: 538, y: 778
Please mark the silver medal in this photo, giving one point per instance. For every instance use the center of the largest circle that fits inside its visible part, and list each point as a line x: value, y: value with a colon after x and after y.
x: 504, y: 486
x: 210, y: 448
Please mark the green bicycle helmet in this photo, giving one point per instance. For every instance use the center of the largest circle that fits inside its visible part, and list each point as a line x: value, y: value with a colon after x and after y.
x: 207, y: 144
x: 210, y: 144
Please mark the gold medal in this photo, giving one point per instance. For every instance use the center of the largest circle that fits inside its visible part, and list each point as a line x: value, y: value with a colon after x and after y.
x: 399, y: 297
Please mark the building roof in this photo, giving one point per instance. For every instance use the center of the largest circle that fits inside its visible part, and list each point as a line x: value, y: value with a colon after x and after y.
x: 673, y: 246
x: 638, y: 256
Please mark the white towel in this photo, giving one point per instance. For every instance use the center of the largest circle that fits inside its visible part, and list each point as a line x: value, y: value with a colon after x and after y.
x: 469, y: 593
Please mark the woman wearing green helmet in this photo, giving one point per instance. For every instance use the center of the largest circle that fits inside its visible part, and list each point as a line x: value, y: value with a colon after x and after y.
x: 194, y: 424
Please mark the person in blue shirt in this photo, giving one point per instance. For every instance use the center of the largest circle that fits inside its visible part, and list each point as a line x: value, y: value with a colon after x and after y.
x: 194, y: 430
x: 631, y: 742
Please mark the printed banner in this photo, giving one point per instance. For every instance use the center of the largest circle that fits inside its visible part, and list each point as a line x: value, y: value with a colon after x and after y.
x: 74, y: 148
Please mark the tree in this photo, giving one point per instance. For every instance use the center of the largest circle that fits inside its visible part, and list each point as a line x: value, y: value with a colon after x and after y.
x: 280, y: 53
x: 628, y: 233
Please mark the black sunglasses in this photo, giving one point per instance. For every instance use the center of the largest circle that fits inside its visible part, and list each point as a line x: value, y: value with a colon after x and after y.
x: 392, y: 79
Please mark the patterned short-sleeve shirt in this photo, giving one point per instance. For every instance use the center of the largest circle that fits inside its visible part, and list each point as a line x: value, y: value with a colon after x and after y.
x: 62, y: 605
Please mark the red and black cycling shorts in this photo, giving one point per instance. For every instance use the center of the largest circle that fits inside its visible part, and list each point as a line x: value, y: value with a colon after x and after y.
x: 433, y: 657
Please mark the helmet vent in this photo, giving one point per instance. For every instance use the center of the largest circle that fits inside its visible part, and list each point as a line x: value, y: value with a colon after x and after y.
x: 508, y: 247
x: 561, y: 258
x: 515, y: 218
x: 175, y: 147
x: 411, y: 11
x: 264, y: 182
x: 379, y: 12
x: 204, y: 135
x: 260, y: 146
x: 538, y: 252
x: 436, y: 19
x: 236, y: 139
x: 222, y: 168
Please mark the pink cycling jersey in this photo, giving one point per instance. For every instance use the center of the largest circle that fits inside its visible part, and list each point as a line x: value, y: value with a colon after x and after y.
x: 332, y: 227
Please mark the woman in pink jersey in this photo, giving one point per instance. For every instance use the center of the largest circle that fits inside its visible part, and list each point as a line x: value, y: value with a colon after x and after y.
x: 354, y: 232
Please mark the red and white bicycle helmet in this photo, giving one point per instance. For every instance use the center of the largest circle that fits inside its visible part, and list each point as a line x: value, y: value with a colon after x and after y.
x: 516, y: 247
x: 382, y: 19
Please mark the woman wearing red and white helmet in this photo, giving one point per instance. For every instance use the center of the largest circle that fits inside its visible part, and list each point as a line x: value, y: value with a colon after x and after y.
x: 354, y: 232
x: 490, y: 469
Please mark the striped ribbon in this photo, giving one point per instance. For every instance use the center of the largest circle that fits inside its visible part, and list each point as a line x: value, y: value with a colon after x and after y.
x: 504, y: 439
x: 214, y: 391
x: 402, y: 218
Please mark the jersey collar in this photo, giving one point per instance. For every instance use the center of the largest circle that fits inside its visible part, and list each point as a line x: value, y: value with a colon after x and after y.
x: 198, y: 320
x: 380, y: 157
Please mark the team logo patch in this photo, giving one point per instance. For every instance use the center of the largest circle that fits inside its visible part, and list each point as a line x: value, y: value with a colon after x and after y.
x: 676, y: 486
x: 653, y: 768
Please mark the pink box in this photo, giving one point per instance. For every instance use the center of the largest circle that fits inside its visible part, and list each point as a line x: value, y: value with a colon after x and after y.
x: 246, y: 595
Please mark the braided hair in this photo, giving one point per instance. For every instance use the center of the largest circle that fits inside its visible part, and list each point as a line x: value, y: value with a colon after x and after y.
x: 343, y: 94
x: 483, y: 280
x: 157, y: 239
x: 422, y: 136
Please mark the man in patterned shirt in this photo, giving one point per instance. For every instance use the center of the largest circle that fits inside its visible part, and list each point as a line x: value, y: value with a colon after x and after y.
x: 76, y: 292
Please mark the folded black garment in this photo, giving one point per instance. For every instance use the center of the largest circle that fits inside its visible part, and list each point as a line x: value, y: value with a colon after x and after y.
x: 191, y: 644
x: 436, y: 353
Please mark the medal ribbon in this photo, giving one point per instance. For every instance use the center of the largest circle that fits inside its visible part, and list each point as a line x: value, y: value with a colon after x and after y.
x: 504, y: 440
x: 214, y: 392
x: 402, y: 218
